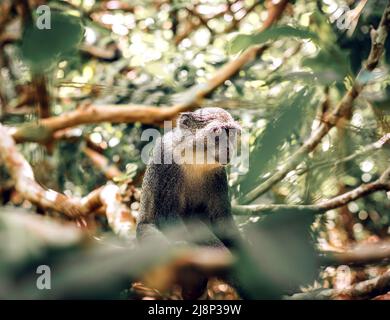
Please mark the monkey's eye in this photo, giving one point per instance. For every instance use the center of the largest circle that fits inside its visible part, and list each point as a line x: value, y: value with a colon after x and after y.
x: 226, y: 131
x: 217, y: 130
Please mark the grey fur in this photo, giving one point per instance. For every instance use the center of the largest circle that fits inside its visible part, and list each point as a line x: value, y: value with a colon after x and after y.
x: 178, y: 195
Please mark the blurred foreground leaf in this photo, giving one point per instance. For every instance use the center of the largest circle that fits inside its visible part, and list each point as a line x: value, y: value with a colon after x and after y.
x: 42, y: 48
x: 280, y: 257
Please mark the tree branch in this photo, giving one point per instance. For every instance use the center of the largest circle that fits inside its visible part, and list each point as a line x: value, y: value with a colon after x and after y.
x: 367, y: 149
x: 44, y: 131
x: 108, y: 197
x: 359, y: 254
x: 236, y: 22
x: 118, y: 215
x: 362, y: 290
x: 23, y: 176
x: 343, y: 108
x: 102, y: 163
x: 192, y: 11
x: 382, y: 183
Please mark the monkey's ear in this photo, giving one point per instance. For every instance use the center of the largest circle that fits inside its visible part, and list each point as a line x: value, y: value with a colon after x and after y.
x: 185, y: 120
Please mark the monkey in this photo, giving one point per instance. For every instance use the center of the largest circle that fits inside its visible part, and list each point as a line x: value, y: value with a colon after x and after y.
x: 186, y: 181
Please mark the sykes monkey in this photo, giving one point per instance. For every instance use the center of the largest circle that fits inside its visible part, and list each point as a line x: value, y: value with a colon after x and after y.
x: 186, y: 182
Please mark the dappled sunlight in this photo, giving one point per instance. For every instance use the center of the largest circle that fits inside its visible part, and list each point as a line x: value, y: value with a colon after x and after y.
x: 289, y: 100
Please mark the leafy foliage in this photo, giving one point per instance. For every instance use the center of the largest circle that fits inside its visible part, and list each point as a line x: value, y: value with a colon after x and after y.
x: 125, y: 52
x: 287, y: 119
x: 42, y: 48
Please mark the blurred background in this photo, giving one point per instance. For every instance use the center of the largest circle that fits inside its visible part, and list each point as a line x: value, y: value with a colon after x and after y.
x: 76, y: 97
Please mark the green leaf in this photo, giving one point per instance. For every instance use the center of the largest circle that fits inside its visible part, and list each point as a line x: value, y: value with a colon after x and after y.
x: 331, y: 59
x: 241, y: 42
x: 267, y: 145
x: 281, y: 257
x: 42, y: 48
x: 319, y: 25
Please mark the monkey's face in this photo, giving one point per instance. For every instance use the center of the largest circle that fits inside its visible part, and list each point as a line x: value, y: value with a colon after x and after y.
x: 213, y: 133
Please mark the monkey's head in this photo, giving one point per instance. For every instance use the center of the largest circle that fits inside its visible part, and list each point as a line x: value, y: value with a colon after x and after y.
x: 212, y: 133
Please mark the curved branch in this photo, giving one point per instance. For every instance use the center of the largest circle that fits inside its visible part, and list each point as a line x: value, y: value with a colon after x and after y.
x: 203, y: 21
x: 108, y: 197
x: 44, y: 131
x: 341, y: 110
x: 362, y: 290
x: 23, y: 176
x: 382, y: 183
x: 359, y: 254
x: 236, y: 22
x: 102, y: 163
x: 118, y: 215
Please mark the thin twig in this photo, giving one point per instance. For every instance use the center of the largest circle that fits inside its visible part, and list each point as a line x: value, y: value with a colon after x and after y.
x: 382, y: 183
x: 343, y: 108
x: 367, y: 149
